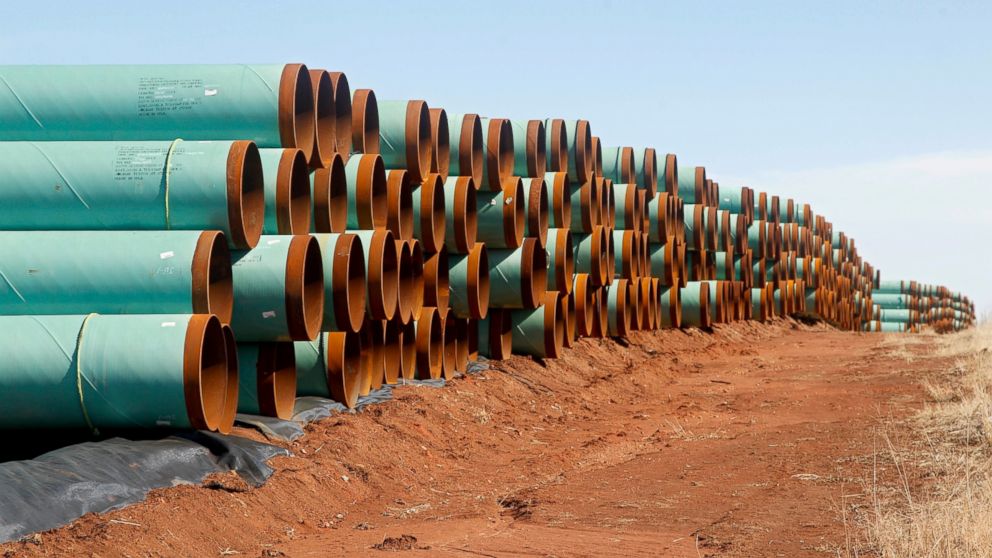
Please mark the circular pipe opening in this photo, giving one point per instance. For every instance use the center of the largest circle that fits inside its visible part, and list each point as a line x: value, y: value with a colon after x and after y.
x: 671, y: 174
x: 245, y: 194
x: 419, y: 147
x: 537, y: 157
x: 470, y: 149
x: 537, y: 210
x: 564, y: 258
x: 296, y: 108
x: 611, y: 256
x: 500, y: 334
x: 597, y: 160
x: 561, y: 201
x: 649, y: 171
x: 392, y: 351
x: 372, y: 359
x: 501, y: 162
x: 213, y: 289
x: 557, y: 151
x: 293, y: 193
x: 280, y: 382
x: 478, y: 281
x: 440, y: 148
x: 372, y: 193
x: 466, y: 219
x: 330, y: 197
x: 705, y: 320
x: 432, y: 213
x: 348, y: 283
x: 344, y: 366
x: 341, y: 94
x: 514, y: 212
x: 408, y: 351
x: 231, y: 394
x: 365, y: 122
x: 205, y: 372
x: 534, y: 273
x: 554, y: 324
x: 570, y: 326
x: 436, y: 280
x: 407, y: 282
x: 430, y: 344
x: 417, y: 263
x: 325, y: 118
x: 304, y: 288
x: 382, y: 275
x: 582, y: 292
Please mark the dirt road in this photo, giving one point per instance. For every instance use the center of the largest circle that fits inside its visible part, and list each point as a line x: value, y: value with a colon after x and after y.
x: 752, y: 441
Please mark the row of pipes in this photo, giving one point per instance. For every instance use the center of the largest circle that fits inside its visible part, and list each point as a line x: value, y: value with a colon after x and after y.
x: 183, y: 243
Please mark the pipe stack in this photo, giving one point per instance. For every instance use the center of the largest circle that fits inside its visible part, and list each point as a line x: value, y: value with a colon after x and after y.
x: 229, y: 237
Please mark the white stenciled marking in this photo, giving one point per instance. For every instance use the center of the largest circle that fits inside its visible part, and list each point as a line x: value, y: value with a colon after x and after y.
x: 166, y: 255
x: 168, y: 324
x: 269, y: 314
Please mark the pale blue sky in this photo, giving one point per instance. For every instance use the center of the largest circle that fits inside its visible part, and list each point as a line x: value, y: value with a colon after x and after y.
x: 878, y: 113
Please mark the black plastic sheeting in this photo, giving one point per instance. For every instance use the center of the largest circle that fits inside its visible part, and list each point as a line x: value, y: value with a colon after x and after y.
x: 61, y: 485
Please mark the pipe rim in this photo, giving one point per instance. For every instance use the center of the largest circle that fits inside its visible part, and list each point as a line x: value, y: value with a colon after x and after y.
x: 557, y: 159
x: 230, y: 409
x: 461, y: 343
x: 440, y: 146
x: 382, y: 275
x: 554, y: 324
x: 537, y: 209
x: 705, y: 319
x: 561, y: 200
x: 343, y: 353
x: 304, y: 293
x: 297, y: 122
x: 392, y: 354
x: 533, y: 275
x: 330, y: 196
x: 419, y: 144
x: 432, y: 213
x: 649, y: 171
x: 584, y: 303
x: 245, y: 194
x: 325, y: 118
x: 499, y: 160
x: 399, y: 204
x: 536, y: 148
x: 205, y: 371
x: 371, y: 192
x: 341, y: 93
x: 430, y: 342
x: 212, y: 283
x: 408, y: 350
x: 293, y: 193
x: 406, y: 281
x: 365, y: 122
x: 466, y: 218
x: 570, y: 326
x: 514, y: 216
x: 500, y: 334
x: 478, y: 281
x: 596, y: 153
x: 372, y: 358
x: 449, y: 346
x: 470, y: 149
x: 417, y: 260
x: 436, y: 282
x: 276, y: 373
x: 564, y: 259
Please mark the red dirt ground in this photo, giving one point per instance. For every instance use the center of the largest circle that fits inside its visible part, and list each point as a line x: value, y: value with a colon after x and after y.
x: 750, y: 441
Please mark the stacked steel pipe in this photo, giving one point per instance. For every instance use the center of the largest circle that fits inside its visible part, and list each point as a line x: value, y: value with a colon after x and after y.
x: 186, y: 242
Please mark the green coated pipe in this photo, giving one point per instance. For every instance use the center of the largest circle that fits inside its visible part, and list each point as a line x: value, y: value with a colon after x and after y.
x: 691, y: 185
x: 126, y: 371
x: 580, y: 154
x: 556, y: 146
x: 343, y: 262
x: 893, y: 286
x: 529, y: 148
x: 465, y: 143
x: 468, y: 283
x: 618, y: 165
x: 725, y: 269
x: 695, y: 228
x: 560, y: 192
x: 495, y: 334
x: 756, y: 238
x: 663, y: 262
x: 330, y: 367
x: 279, y: 289
x: 896, y: 315
x: 561, y: 261
x: 382, y: 273
x: 668, y: 178
x: 758, y: 269
x: 272, y: 105
x: 893, y: 327
x: 540, y: 332
x: 114, y: 185
x: 497, y: 146
x: 405, y: 137
x: 759, y: 304
x: 619, y: 307
x: 732, y: 199
x: 671, y: 306
x: 502, y: 215
x: 646, y: 170
x: 115, y: 272
x: 518, y: 278
x: 286, y: 180
x: 695, y: 304
x: 267, y: 379
x: 460, y: 214
x: 627, y: 210
x: 367, y: 192
x: 429, y: 215
x: 591, y: 254
x: 585, y: 208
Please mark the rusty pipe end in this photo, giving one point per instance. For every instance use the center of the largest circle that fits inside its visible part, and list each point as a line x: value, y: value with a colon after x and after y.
x: 430, y: 344
x: 348, y: 282
x: 436, y: 282
x: 440, y: 147
x: 205, y: 372
x: 276, y: 386
x: 330, y: 196
x: 343, y: 350
x: 536, y: 148
x: 478, y: 281
x: 297, y: 121
x: 304, y: 288
x: 365, y: 122
x: 432, y: 213
x: 325, y: 118
x: 341, y: 93
x: 212, y: 285
x: 382, y: 276
x: 245, y: 195
x: 293, y: 193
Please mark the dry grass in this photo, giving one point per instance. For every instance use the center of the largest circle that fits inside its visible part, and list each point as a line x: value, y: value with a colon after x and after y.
x: 937, y: 499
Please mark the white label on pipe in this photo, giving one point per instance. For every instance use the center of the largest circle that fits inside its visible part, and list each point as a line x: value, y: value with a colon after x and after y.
x: 269, y: 314
x: 273, y: 241
x: 168, y: 324
x: 508, y: 200
x: 209, y: 92
x: 166, y: 255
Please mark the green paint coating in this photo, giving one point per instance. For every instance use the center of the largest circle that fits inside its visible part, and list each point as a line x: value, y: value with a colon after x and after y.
x: 114, y: 185
x: 687, y: 187
x: 131, y: 367
x: 505, y: 278
x: 458, y: 274
x: 692, y: 312
x: 259, y: 277
x: 328, y: 242
x: 110, y: 272
x: 141, y: 102
x: 528, y: 332
x: 666, y: 308
x: 392, y: 133
x: 489, y: 209
x: 612, y: 160
x: 311, y: 367
x: 657, y: 256
x: 692, y: 237
x: 731, y: 200
x: 270, y: 173
x: 613, y: 292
